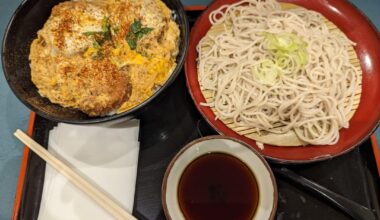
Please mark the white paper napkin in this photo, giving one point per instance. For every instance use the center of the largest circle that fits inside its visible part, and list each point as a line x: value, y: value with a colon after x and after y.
x: 106, y: 155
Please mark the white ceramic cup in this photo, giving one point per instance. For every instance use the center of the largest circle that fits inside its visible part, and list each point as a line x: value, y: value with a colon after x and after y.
x: 267, y: 187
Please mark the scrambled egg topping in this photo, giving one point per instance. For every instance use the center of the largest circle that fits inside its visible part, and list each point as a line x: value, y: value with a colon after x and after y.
x: 104, y: 56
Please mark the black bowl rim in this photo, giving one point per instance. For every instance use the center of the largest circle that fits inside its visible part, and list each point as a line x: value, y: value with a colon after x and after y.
x: 181, y: 59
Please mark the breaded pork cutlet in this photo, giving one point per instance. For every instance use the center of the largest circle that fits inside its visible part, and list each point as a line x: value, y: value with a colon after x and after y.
x: 95, y: 86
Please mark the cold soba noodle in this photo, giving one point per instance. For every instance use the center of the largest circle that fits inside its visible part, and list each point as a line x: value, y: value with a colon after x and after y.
x: 278, y: 71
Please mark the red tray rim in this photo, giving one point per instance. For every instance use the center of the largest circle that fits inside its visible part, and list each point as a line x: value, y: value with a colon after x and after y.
x: 31, y: 122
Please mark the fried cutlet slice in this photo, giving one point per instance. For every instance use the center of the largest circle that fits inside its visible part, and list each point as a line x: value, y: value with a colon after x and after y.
x: 65, y: 29
x: 95, y: 87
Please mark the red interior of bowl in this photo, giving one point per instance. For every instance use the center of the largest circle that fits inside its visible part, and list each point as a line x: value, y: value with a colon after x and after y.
x: 359, y: 29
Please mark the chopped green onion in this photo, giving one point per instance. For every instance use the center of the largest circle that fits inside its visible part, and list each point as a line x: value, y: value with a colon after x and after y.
x: 283, y: 47
x: 287, y: 44
x: 267, y: 72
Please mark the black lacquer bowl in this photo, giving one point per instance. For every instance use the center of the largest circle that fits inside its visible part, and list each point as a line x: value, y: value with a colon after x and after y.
x: 29, y: 17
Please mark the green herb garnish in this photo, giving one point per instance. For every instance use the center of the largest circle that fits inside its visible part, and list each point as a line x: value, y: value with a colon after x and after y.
x: 132, y: 42
x: 98, y: 55
x: 90, y: 33
x: 95, y: 45
x: 136, y: 26
x: 106, y: 26
x: 135, y: 33
x: 102, y: 36
x: 115, y: 30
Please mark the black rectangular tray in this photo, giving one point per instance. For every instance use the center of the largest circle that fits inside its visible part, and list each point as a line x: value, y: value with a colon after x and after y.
x: 172, y: 122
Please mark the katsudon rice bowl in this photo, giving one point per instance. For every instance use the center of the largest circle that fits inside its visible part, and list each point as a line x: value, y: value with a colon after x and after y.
x: 97, y: 60
x: 104, y: 57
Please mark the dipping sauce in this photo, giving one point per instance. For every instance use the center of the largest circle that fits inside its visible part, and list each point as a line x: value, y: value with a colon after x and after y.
x: 218, y: 186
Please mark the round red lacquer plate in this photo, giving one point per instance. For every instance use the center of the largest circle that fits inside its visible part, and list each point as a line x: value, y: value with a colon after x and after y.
x: 359, y: 29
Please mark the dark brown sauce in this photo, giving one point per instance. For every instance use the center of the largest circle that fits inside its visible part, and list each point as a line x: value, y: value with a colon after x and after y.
x: 218, y: 186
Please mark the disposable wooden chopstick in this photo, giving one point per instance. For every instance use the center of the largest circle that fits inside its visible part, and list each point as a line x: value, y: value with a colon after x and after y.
x: 103, y: 200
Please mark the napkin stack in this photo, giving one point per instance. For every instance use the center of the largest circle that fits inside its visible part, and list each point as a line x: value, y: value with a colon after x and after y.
x: 106, y: 155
